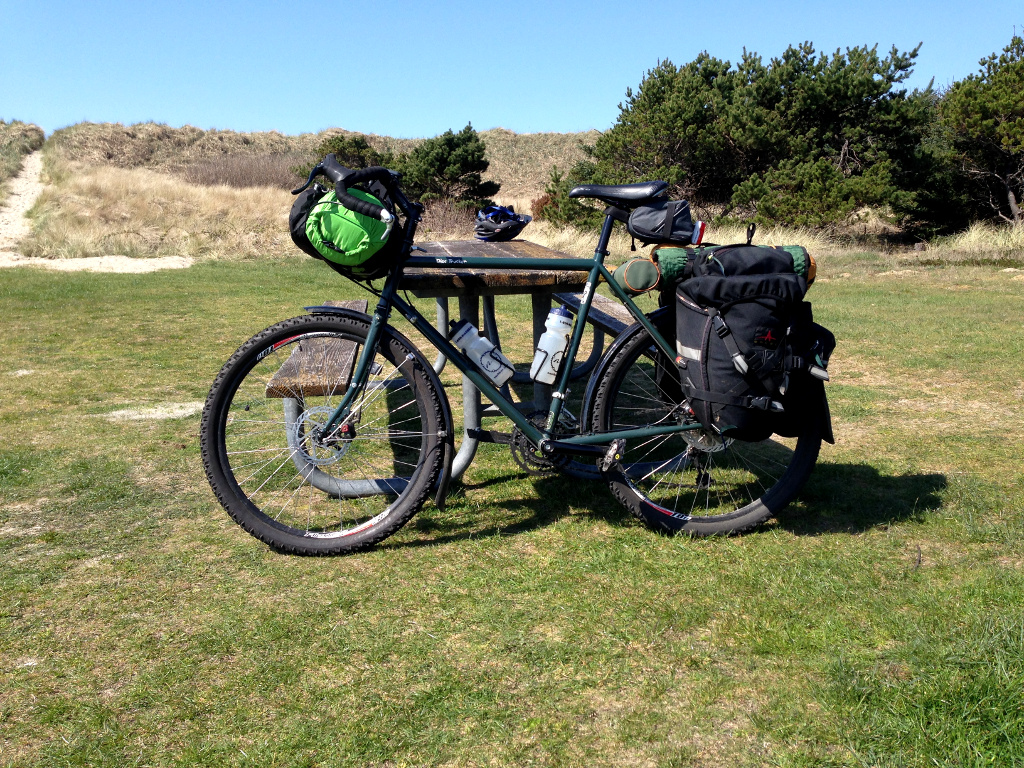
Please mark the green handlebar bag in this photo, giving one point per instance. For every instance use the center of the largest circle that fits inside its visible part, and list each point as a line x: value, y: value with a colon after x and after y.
x: 343, y: 236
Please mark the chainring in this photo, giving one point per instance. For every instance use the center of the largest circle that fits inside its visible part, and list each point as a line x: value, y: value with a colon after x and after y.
x: 529, y: 458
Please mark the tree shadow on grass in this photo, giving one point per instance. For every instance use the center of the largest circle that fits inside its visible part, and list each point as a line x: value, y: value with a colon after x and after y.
x: 853, y: 498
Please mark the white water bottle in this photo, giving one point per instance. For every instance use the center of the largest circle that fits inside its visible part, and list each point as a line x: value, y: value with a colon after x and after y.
x: 551, y: 346
x: 481, y: 351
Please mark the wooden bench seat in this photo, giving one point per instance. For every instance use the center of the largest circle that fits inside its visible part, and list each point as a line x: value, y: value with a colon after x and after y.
x: 319, y: 366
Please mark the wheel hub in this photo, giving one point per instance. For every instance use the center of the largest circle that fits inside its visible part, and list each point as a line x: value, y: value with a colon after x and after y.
x: 308, y: 437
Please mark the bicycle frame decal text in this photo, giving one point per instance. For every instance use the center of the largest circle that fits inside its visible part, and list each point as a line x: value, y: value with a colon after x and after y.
x: 449, y: 260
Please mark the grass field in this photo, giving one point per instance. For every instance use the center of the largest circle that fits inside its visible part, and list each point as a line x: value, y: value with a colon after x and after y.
x: 879, y: 621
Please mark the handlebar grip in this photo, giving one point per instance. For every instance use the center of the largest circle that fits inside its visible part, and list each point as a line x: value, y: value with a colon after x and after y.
x: 334, y: 170
x: 373, y: 173
x: 353, y: 203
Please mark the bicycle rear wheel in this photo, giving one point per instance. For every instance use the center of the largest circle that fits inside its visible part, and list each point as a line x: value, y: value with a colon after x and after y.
x: 692, y: 481
x: 289, y: 484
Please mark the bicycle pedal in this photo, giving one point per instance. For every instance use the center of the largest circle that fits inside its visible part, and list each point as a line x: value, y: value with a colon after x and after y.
x: 612, y: 455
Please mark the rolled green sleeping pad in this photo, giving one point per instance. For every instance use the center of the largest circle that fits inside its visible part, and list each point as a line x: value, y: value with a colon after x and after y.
x: 733, y: 260
x: 672, y: 262
x: 637, y: 276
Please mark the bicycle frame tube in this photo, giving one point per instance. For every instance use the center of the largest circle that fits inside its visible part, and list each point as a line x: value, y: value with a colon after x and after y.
x: 596, y: 268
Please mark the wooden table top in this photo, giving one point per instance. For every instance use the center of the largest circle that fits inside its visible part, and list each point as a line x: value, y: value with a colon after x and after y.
x: 469, y: 281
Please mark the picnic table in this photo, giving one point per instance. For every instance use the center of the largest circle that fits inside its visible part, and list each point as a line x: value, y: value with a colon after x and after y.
x: 474, y: 287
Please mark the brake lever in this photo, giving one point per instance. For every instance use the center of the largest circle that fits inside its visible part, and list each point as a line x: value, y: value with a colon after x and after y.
x: 318, y: 168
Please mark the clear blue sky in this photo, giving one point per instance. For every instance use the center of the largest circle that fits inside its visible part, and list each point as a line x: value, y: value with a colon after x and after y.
x: 417, y: 68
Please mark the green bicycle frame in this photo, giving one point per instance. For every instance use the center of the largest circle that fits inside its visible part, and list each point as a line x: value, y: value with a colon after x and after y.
x: 596, y: 269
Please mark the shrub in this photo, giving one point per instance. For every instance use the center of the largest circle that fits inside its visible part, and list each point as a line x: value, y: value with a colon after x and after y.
x: 774, y: 141
x: 984, y: 115
x: 351, y: 151
x: 449, y: 167
x: 558, y: 208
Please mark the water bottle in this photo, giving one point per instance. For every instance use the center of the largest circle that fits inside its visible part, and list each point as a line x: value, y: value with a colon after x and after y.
x: 551, y: 346
x: 481, y: 351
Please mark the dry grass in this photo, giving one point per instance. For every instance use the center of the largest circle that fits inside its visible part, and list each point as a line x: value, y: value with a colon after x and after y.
x: 521, y: 162
x: 242, y: 171
x: 153, y: 190
x: 983, y: 239
x: 581, y: 242
x: 139, y: 212
x: 160, y: 147
x: 443, y: 220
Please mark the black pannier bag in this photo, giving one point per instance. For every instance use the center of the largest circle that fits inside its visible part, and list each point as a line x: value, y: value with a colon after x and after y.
x: 665, y: 221
x: 751, y: 360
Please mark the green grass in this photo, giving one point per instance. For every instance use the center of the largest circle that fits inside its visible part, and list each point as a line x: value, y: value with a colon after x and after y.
x: 878, y: 622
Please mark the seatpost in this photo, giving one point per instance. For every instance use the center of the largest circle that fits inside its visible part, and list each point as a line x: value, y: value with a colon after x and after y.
x: 606, y: 236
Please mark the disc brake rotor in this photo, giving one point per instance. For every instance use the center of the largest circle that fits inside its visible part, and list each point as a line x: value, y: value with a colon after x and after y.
x: 307, y: 438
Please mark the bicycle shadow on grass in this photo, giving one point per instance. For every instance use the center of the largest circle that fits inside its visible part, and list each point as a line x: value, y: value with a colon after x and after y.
x: 838, y: 498
x: 555, y: 498
x: 853, y: 498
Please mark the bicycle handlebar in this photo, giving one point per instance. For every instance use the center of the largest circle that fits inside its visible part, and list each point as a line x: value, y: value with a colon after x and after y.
x: 344, y: 178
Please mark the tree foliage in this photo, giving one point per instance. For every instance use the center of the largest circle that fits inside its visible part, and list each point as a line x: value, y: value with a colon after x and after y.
x: 352, y: 151
x: 801, y: 139
x: 984, y: 117
x: 556, y: 206
x: 446, y: 167
x: 449, y: 167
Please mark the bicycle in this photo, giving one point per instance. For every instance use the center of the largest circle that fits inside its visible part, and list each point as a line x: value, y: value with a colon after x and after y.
x: 325, y: 433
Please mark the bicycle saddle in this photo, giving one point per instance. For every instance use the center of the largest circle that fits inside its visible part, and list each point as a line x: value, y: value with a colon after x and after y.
x: 634, y: 194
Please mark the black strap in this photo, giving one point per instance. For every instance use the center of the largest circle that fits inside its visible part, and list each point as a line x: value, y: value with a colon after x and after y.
x: 670, y: 218
x: 738, y: 359
x: 761, y: 403
x: 751, y: 229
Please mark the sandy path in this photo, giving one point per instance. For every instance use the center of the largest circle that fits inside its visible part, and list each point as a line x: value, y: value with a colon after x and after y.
x: 24, y: 189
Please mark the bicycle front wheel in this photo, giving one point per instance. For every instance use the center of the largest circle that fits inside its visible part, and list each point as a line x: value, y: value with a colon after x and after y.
x: 692, y: 481
x: 287, y: 481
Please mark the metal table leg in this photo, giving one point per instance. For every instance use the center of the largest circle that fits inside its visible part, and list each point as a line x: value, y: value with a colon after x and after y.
x: 469, y: 309
x: 442, y: 326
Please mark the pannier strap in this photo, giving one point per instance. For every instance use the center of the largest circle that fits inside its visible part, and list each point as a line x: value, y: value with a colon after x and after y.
x: 670, y: 216
x: 738, y: 360
x: 761, y: 403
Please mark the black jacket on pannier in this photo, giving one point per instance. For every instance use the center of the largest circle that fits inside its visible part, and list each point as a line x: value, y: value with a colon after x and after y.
x: 751, y: 359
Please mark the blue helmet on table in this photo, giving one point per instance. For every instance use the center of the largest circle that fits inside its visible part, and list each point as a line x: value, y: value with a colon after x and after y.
x: 497, y: 223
